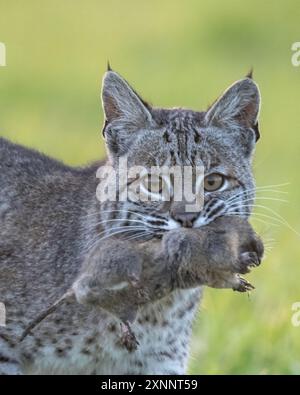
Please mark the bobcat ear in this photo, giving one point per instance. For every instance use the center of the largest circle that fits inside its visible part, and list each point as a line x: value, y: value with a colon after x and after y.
x: 238, y: 106
x: 121, y: 104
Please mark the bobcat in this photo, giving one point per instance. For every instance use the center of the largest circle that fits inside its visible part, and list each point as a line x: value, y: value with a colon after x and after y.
x: 136, y: 262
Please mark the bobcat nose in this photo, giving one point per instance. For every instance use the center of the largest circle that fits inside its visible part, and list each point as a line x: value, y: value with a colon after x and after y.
x: 186, y: 219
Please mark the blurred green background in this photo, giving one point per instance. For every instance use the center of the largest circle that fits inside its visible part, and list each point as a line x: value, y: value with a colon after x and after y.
x: 175, y: 53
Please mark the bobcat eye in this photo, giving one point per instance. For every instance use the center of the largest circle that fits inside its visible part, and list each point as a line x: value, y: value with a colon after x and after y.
x: 153, y: 183
x: 213, y: 182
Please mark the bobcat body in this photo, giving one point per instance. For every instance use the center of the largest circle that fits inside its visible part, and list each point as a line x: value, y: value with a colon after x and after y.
x: 50, y: 222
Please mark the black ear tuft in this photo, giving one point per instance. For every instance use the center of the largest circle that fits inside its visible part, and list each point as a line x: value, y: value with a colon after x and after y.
x: 250, y: 74
x: 108, y: 66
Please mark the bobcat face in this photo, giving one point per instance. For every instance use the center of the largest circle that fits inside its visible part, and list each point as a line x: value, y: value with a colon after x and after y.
x: 220, y: 141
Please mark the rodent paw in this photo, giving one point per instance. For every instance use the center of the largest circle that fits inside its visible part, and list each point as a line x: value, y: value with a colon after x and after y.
x: 243, y: 285
x: 247, y: 261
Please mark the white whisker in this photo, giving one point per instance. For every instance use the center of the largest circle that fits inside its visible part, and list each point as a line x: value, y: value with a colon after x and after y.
x: 254, y: 191
x: 255, y: 218
x: 139, y: 235
x: 98, y: 240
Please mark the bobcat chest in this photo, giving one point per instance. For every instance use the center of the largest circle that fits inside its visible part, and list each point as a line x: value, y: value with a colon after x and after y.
x: 163, y: 331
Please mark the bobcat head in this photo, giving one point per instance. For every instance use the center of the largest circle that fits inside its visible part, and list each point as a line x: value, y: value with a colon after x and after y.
x: 220, y: 139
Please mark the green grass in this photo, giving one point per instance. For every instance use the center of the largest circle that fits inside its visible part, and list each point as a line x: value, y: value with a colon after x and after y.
x: 175, y: 53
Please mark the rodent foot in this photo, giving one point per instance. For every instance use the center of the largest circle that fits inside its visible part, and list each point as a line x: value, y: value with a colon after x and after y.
x: 243, y: 285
